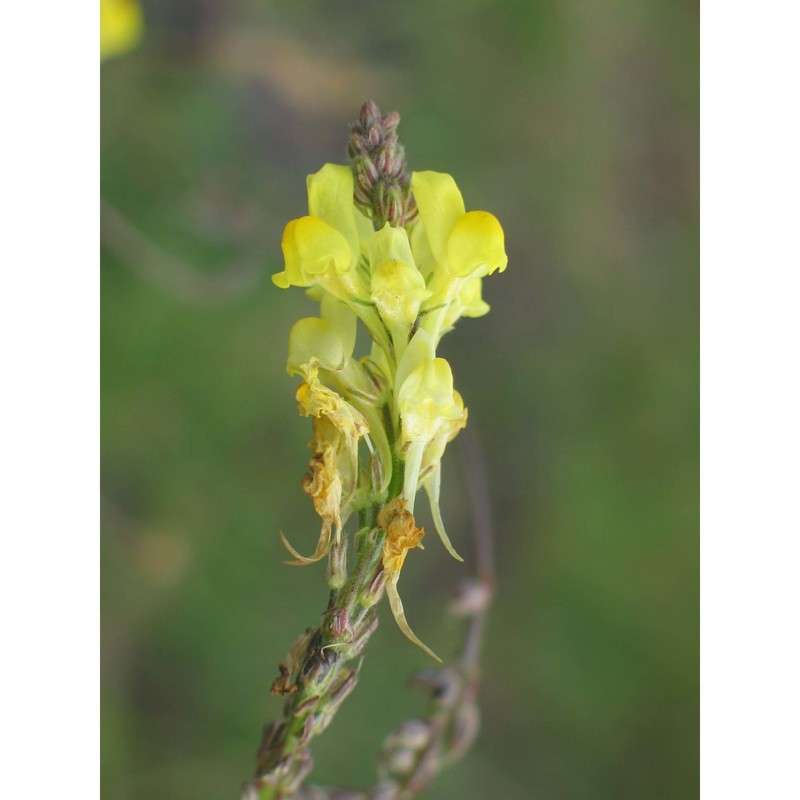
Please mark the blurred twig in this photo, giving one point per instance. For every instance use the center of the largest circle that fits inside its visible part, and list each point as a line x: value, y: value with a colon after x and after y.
x: 167, y: 271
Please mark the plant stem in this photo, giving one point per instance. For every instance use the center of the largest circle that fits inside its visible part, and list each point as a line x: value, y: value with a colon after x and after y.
x: 315, y: 677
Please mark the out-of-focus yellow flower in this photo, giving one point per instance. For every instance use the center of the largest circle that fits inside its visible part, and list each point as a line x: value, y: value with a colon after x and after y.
x: 121, y: 27
x: 402, y: 535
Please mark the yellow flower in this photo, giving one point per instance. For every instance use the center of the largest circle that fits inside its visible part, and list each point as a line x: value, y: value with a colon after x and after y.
x: 426, y: 400
x: 431, y: 414
x: 424, y: 391
x: 455, y: 249
x: 465, y: 244
x: 325, y: 246
x: 121, y: 27
x: 402, y: 535
x: 330, y: 338
x: 311, y: 250
x: 398, y: 288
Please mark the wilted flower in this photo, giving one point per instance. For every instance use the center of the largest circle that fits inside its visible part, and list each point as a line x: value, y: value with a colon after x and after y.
x: 402, y: 535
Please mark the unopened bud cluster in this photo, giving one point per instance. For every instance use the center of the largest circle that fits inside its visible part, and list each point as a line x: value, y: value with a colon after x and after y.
x: 382, y: 184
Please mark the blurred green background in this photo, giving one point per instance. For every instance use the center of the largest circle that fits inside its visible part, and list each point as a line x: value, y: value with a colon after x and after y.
x: 576, y: 123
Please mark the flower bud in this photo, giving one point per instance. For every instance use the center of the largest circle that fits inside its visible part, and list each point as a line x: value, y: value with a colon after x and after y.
x: 337, y: 565
x: 372, y: 595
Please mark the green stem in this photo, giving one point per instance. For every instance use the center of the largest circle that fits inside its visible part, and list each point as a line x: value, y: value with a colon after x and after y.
x: 320, y: 678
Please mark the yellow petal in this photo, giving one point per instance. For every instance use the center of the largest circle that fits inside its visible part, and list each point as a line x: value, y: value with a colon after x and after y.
x: 314, y: 338
x: 313, y: 292
x: 467, y: 303
x: 316, y: 400
x: 432, y: 488
x: 281, y: 280
x: 389, y: 244
x: 440, y: 207
x: 310, y: 248
x: 421, y: 248
x: 476, y: 246
x: 398, y: 290
x: 402, y: 535
x: 330, y: 198
x: 471, y: 300
x: 420, y: 349
x: 426, y: 400
x: 365, y: 230
x: 380, y: 440
x: 399, y: 613
x: 342, y: 319
x: 319, y: 553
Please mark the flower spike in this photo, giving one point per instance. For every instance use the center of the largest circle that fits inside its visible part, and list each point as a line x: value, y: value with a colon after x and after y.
x: 400, y: 252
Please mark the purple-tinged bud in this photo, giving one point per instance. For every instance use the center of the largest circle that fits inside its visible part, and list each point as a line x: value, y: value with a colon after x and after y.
x: 363, y: 633
x: 337, y: 565
x: 391, y: 121
x: 341, y: 690
x: 362, y: 196
x: 370, y: 170
x: 373, y: 594
x: 370, y: 114
x: 309, y: 704
x: 383, y: 161
x: 338, y: 627
x: 377, y: 155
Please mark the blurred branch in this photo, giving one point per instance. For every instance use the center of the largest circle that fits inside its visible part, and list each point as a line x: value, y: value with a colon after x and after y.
x: 166, y: 271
